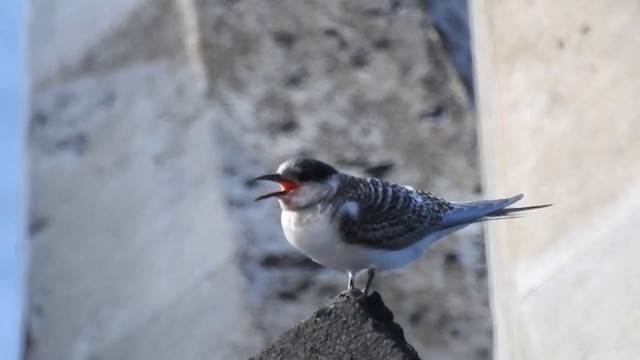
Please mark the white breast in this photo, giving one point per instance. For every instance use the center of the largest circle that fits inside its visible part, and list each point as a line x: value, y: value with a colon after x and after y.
x: 311, y: 232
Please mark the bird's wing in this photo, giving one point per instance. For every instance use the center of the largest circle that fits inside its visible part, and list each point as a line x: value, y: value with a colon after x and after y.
x: 381, y: 215
x: 387, y: 216
x: 474, y: 211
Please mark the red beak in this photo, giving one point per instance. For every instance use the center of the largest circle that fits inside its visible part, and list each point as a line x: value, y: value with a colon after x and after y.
x: 287, y: 185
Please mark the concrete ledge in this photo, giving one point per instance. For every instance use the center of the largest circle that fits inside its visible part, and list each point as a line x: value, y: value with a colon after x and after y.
x: 345, y: 329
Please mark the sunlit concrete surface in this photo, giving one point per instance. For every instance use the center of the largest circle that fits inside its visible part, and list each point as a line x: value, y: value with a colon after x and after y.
x: 558, y: 89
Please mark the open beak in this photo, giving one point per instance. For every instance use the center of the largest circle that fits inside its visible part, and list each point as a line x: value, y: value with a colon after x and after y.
x: 287, y: 185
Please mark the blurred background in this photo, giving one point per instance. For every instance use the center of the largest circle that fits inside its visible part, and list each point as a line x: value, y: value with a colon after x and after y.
x: 147, y: 119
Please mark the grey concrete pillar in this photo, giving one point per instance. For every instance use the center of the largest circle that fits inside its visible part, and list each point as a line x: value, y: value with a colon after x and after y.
x: 558, y: 88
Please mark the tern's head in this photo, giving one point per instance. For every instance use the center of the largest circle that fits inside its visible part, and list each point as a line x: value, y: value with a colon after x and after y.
x: 303, y: 182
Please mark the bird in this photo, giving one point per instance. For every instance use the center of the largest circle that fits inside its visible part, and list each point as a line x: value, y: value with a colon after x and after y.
x: 356, y: 224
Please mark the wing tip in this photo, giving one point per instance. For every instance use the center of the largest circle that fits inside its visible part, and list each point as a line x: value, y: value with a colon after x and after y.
x: 514, y: 199
x: 519, y: 197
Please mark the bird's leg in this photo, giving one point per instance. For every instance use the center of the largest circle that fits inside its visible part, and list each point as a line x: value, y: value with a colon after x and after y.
x: 371, y: 272
x: 351, y: 280
x: 352, y: 292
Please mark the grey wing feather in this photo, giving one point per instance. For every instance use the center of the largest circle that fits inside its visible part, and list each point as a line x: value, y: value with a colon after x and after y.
x: 390, y: 216
x: 474, y: 211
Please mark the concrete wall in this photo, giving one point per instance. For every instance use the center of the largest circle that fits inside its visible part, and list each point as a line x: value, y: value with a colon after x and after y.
x: 148, y: 120
x: 131, y: 244
x: 558, y: 87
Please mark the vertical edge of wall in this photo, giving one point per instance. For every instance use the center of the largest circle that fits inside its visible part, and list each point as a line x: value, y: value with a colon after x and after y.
x: 489, y: 134
x: 13, y: 189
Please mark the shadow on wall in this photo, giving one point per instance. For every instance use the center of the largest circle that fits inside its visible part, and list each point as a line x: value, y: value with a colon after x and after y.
x: 451, y: 20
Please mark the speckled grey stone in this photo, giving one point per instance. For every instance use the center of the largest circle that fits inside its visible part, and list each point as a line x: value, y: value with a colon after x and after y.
x: 347, y: 328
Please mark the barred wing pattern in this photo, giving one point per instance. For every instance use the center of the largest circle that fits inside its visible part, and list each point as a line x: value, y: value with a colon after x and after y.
x: 389, y: 216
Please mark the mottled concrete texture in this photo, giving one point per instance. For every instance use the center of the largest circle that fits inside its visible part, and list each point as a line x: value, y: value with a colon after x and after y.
x: 558, y: 87
x: 148, y: 120
x: 345, y: 329
x: 364, y: 85
x: 131, y: 248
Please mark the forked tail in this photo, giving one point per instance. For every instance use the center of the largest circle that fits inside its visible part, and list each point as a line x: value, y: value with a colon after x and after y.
x: 477, y: 211
x: 514, y: 212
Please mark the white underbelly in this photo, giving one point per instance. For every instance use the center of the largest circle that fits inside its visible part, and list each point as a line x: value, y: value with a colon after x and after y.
x: 313, y: 234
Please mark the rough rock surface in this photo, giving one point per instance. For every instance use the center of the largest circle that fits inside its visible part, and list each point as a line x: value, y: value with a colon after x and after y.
x: 345, y: 329
x: 145, y: 125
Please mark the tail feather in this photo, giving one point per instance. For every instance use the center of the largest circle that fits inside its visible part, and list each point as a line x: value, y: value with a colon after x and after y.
x: 514, y: 212
x: 478, y: 211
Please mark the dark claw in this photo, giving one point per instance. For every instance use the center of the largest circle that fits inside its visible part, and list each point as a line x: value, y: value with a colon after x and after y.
x: 352, y: 294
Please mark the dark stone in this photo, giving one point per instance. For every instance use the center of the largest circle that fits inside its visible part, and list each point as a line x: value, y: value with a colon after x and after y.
x: 37, y: 224
x: 250, y: 183
x: 285, y: 39
x: 382, y: 44
x: 288, y: 125
x: 288, y: 261
x: 483, y: 353
x: 360, y: 58
x: 335, y: 34
x: 375, y: 12
x: 433, y: 115
x: 287, y: 295
x: 350, y: 327
x: 296, y: 78
x: 39, y: 118
x: 379, y: 171
x: 481, y: 273
x: 77, y: 143
x: 415, y: 317
x: 29, y: 340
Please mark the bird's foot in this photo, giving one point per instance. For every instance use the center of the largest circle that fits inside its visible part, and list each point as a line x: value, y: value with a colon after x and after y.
x: 352, y: 294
